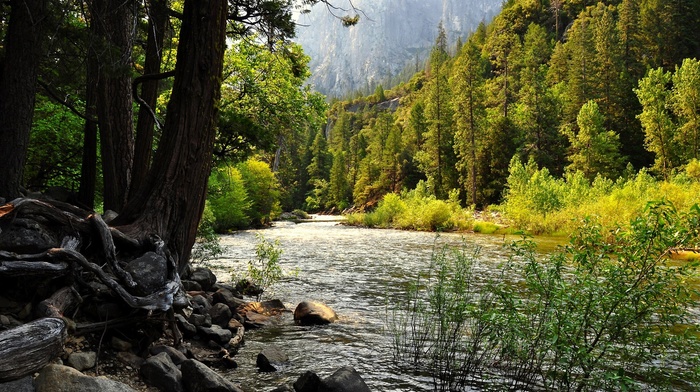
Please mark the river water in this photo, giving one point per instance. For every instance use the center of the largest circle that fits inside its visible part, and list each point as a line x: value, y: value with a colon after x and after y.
x: 356, y: 271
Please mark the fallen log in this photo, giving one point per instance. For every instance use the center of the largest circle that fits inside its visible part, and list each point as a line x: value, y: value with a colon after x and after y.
x: 28, y: 348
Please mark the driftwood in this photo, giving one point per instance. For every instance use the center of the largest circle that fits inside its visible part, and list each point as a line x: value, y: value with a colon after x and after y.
x: 28, y: 348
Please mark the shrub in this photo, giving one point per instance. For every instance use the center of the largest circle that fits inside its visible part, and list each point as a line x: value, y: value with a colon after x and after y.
x: 228, y: 199
x: 607, y: 312
x: 263, y: 191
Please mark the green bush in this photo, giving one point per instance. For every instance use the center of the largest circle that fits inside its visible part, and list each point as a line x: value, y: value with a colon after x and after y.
x: 228, y: 199
x: 263, y: 191
x: 610, y: 311
x: 207, y: 246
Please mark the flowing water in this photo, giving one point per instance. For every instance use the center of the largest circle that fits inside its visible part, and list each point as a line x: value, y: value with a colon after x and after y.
x: 358, y: 272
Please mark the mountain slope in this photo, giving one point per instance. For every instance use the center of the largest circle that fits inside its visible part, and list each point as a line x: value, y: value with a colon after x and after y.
x: 390, y: 35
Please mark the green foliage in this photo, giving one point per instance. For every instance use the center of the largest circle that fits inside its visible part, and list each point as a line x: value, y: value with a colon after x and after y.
x: 610, y: 311
x: 228, y: 199
x: 262, y: 189
x: 208, y: 247
x: 265, y: 271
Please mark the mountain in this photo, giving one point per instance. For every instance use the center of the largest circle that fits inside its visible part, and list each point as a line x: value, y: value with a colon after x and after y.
x: 390, y: 36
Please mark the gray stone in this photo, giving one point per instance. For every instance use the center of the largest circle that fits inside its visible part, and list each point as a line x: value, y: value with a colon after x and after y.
x: 191, y: 285
x: 200, y: 320
x: 58, y: 378
x: 109, y: 216
x: 82, y: 360
x: 345, y: 379
x: 120, y: 345
x: 25, y: 384
x: 204, y: 277
x: 271, y: 359
x: 159, y: 371
x: 197, y: 377
x: 200, y: 304
x: 227, y: 297
x: 188, y: 329
x: 150, y: 273
x: 308, y: 382
x: 314, y: 313
x: 130, y: 359
x: 27, y: 236
x: 215, y: 333
x: 176, y: 355
x: 220, y: 314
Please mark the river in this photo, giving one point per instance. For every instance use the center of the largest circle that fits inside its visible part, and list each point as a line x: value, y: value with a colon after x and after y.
x: 357, y: 272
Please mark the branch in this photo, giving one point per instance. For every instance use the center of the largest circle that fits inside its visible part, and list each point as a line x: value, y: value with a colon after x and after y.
x: 63, y: 102
x: 137, y: 98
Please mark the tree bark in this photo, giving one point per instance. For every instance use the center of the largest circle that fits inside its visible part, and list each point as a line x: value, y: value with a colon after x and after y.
x: 171, y: 201
x: 88, y: 168
x: 112, y: 25
x: 157, y: 22
x: 18, y: 81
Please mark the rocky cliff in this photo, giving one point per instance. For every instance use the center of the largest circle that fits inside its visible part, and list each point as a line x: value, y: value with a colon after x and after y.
x: 391, y: 35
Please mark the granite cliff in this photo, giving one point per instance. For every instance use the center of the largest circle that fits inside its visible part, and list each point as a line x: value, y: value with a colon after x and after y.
x: 390, y: 36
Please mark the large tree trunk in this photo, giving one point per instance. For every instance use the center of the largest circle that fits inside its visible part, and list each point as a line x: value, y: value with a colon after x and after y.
x: 18, y: 88
x: 171, y: 201
x: 157, y: 22
x: 88, y: 169
x: 112, y: 24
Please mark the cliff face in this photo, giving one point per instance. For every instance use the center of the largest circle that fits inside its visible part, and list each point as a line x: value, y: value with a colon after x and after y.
x: 391, y: 35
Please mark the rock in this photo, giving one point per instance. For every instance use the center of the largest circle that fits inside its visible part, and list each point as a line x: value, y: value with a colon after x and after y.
x: 215, y: 333
x: 227, y: 297
x: 82, y: 360
x: 234, y: 324
x: 204, y: 277
x: 149, y: 271
x: 283, y: 388
x: 256, y: 320
x: 159, y: 371
x: 25, y: 384
x: 120, y: 345
x: 308, y: 382
x: 271, y: 359
x: 345, y: 379
x: 26, y: 236
x: 314, y: 313
x: 197, y: 377
x: 257, y: 314
x: 109, y: 216
x: 220, y: 314
x: 58, y: 378
x: 176, y: 355
x: 188, y: 329
x: 226, y: 286
x: 200, y: 304
x: 191, y: 285
x: 200, y: 320
x: 130, y: 359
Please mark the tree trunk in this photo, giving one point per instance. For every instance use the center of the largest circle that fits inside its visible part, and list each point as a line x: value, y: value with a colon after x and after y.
x: 88, y: 169
x: 157, y: 23
x: 171, y: 201
x: 112, y: 24
x: 18, y: 89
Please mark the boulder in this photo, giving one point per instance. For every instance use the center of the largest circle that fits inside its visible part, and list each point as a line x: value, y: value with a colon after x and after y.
x: 129, y: 359
x: 200, y: 304
x: 25, y: 384
x: 345, y: 379
x: 197, y: 377
x: 204, y: 277
x: 120, y: 344
x: 215, y: 333
x: 227, y: 297
x: 220, y: 314
x: 188, y: 329
x: 314, y: 313
x: 150, y: 273
x: 271, y: 358
x: 308, y: 382
x: 159, y: 371
x: 59, y: 378
x: 27, y: 236
x: 191, y: 285
x: 176, y: 355
x: 200, y: 320
x: 82, y: 360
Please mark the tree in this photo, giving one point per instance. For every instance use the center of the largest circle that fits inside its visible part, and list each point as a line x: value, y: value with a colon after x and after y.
x: 656, y: 119
x: 685, y: 100
x: 18, y: 80
x: 468, y: 82
x: 594, y: 151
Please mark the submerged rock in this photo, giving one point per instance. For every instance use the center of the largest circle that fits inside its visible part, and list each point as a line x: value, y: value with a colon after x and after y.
x: 271, y: 359
x: 314, y: 313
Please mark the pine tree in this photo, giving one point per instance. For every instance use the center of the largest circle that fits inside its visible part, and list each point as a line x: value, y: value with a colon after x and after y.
x: 685, y: 98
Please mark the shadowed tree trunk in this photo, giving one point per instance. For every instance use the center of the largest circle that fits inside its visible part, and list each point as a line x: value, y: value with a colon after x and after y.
x: 157, y: 22
x: 112, y: 24
x: 171, y: 201
x: 88, y: 168
x: 18, y: 80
